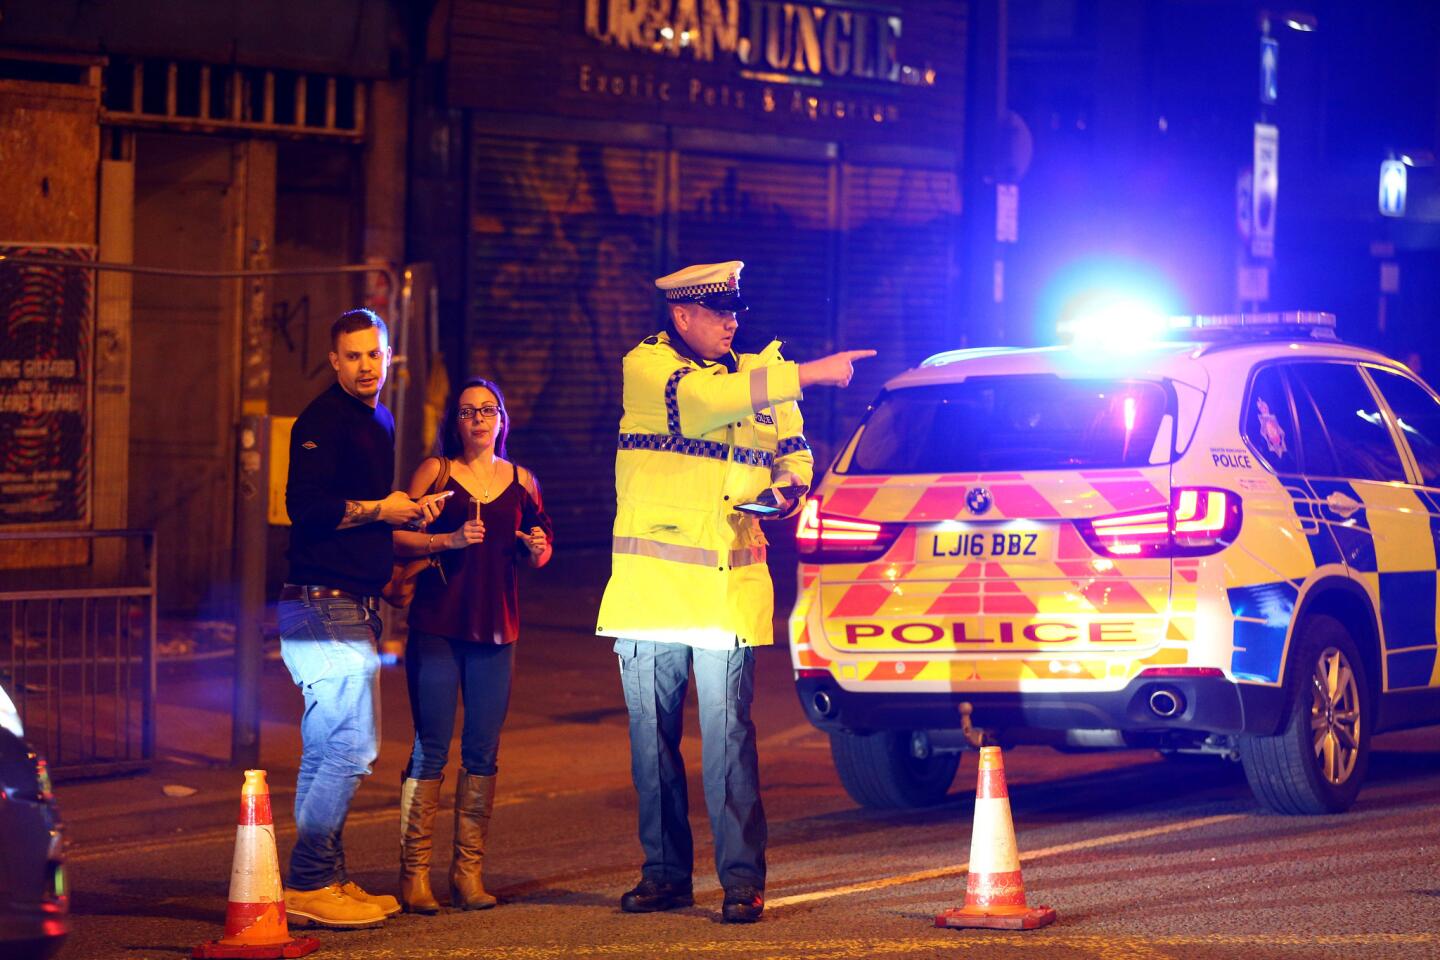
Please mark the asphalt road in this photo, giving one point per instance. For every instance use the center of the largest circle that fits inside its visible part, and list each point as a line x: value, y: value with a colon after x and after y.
x: 1142, y: 857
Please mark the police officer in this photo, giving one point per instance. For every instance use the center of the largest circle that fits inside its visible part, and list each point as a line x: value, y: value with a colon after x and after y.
x: 705, y: 435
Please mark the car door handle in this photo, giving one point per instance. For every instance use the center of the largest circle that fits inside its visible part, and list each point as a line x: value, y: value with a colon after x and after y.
x: 1343, y: 504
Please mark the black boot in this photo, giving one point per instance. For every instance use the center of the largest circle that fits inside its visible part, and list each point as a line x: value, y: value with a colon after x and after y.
x: 743, y: 904
x: 650, y: 896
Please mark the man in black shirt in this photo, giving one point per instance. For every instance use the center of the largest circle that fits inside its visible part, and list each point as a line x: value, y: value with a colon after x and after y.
x: 342, y: 460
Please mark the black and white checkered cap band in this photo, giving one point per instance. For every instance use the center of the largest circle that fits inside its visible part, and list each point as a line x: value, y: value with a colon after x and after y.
x: 701, y: 290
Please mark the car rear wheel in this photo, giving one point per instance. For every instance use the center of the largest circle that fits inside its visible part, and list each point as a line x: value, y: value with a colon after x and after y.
x: 1316, y: 764
x: 879, y: 770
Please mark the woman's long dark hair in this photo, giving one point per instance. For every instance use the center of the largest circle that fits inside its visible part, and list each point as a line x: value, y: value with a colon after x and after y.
x: 449, y: 442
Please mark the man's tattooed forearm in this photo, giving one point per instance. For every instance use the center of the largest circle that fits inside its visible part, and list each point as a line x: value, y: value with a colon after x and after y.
x: 357, y: 513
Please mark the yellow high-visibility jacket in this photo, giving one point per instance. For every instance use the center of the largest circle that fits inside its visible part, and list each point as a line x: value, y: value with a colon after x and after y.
x: 695, y: 440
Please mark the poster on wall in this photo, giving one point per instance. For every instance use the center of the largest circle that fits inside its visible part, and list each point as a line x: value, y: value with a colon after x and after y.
x: 46, y: 315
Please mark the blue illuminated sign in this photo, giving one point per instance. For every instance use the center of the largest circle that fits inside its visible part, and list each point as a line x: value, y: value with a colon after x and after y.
x: 1392, y: 188
x: 1269, y: 70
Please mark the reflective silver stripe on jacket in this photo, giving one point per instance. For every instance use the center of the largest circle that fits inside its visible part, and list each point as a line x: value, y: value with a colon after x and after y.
x: 759, y: 389
x: 677, y: 553
x: 746, y: 556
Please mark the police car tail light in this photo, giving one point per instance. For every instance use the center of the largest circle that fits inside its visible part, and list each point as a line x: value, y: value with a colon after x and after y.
x: 1173, y: 672
x: 1199, y: 520
x: 824, y: 538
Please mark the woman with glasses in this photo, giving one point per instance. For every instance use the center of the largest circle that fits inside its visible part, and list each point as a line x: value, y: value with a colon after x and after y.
x: 463, y: 625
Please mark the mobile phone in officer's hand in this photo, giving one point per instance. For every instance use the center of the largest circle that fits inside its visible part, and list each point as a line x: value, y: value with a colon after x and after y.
x: 758, y: 509
x: 765, y: 505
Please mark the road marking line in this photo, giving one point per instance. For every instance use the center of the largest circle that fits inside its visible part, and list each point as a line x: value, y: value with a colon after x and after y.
x: 956, y: 870
x: 1044, y: 944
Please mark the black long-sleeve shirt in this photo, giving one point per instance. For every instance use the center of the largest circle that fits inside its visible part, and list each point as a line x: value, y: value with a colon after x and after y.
x: 340, y: 449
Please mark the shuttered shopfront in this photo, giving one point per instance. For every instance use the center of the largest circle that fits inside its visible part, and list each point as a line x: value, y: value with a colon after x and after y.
x: 850, y: 238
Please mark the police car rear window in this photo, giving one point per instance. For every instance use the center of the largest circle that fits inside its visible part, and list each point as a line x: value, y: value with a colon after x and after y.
x: 1014, y: 423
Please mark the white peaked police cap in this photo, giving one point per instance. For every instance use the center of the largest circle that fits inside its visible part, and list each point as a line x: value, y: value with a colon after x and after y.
x: 712, y: 285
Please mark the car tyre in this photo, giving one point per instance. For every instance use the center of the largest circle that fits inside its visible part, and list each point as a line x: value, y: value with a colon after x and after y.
x: 1316, y: 764
x: 879, y: 771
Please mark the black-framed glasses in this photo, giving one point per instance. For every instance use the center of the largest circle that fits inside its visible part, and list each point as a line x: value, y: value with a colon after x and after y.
x: 487, y: 412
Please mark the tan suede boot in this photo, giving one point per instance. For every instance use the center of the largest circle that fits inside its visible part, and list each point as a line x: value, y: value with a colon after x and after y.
x: 474, y: 799
x: 419, y: 799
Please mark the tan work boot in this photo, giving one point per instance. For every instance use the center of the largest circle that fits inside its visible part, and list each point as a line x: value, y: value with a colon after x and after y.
x: 388, y: 905
x: 329, y: 907
x: 419, y: 799
x: 474, y: 799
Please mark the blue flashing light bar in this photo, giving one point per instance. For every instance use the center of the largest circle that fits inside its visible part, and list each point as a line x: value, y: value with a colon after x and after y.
x: 1301, y: 318
x: 1129, y: 330
x: 1313, y: 324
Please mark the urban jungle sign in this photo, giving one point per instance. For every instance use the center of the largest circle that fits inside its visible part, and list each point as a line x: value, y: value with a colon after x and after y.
x: 839, y: 70
x: 795, y: 41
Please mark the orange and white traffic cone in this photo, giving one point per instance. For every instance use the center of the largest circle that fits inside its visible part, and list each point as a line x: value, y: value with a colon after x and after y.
x: 994, y: 892
x: 255, y: 926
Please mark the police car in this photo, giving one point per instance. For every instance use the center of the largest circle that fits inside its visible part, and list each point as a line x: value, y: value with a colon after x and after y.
x: 1221, y: 542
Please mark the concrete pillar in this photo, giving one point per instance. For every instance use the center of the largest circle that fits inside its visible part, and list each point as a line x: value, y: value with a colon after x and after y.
x: 386, y: 141
x: 386, y: 170
x: 113, y: 344
x: 387, y: 138
x: 255, y: 176
x: 986, y: 97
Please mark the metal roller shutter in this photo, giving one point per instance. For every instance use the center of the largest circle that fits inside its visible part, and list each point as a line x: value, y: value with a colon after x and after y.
x: 899, y: 278
x: 778, y: 217
x: 563, y: 245
x: 566, y: 237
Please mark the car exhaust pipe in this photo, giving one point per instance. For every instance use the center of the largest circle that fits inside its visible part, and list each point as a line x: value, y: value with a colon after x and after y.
x: 1166, y: 703
x: 822, y: 703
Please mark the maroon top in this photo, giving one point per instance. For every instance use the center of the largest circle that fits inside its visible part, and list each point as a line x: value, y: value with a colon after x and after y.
x: 477, y: 599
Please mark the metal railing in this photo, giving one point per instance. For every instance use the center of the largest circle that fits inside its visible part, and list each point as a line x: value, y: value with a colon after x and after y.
x: 77, y: 647
x: 216, y: 98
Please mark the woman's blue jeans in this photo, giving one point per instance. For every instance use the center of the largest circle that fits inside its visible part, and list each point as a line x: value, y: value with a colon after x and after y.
x: 329, y: 647
x: 441, y: 673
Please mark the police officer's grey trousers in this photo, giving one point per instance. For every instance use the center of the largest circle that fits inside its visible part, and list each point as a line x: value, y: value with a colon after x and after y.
x: 656, y: 677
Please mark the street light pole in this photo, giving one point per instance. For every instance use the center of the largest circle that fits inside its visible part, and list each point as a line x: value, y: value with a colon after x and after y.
x: 251, y: 509
x: 986, y: 156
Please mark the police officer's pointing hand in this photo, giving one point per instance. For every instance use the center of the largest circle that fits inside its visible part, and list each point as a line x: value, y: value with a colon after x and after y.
x: 834, y: 370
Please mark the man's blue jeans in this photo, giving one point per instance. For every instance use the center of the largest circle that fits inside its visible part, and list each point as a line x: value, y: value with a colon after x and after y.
x: 329, y: 647
x: 656, y: 677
